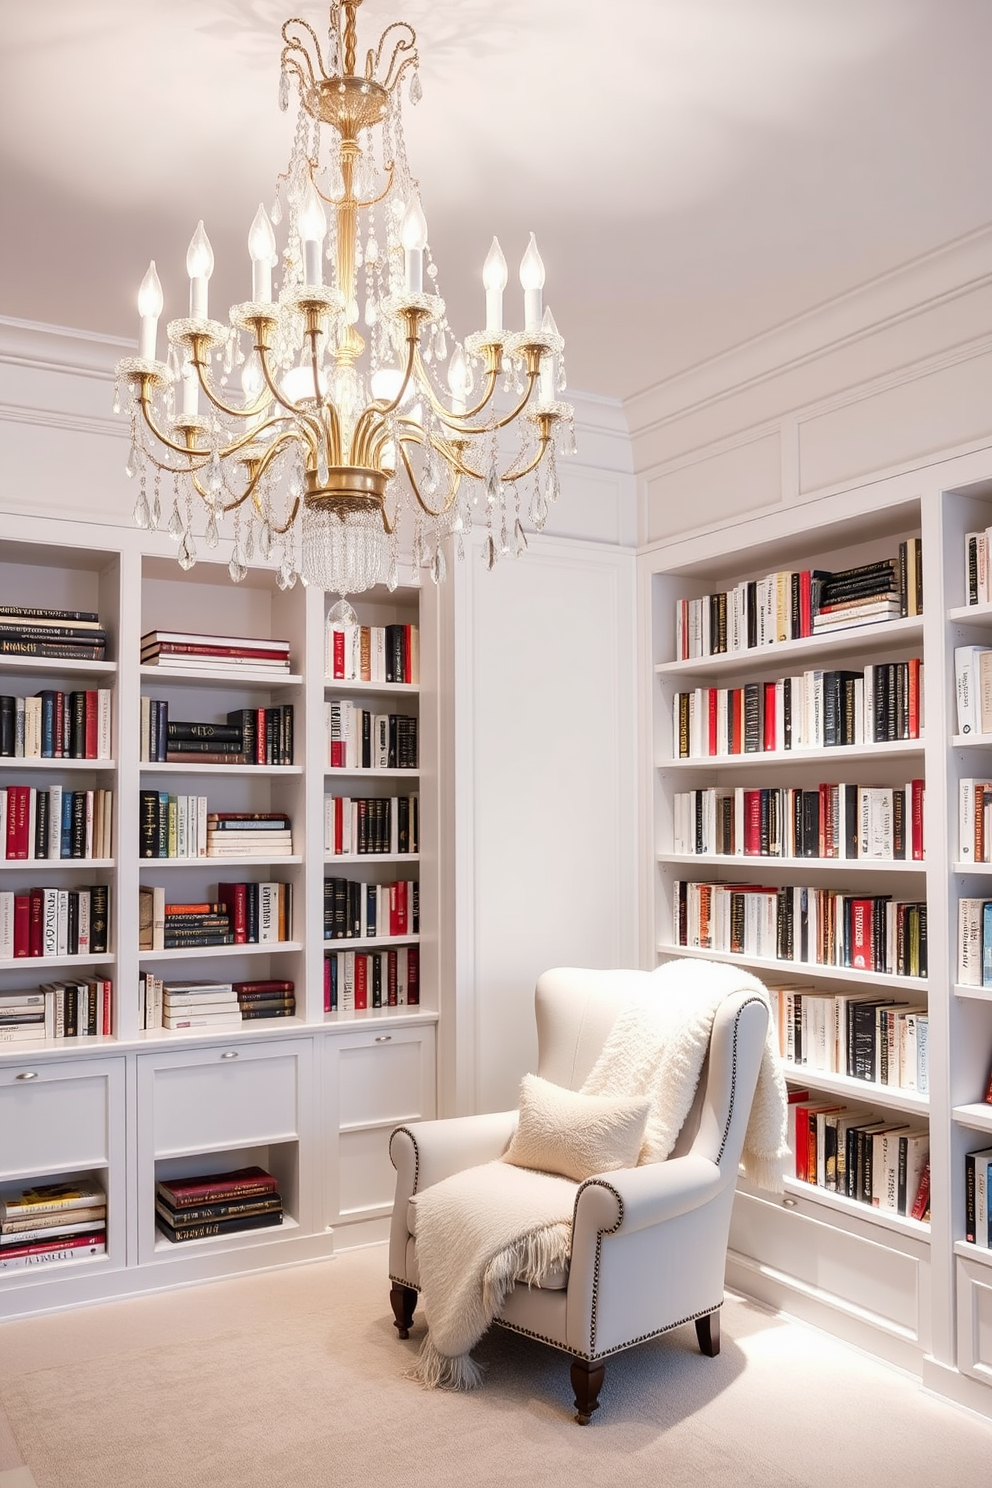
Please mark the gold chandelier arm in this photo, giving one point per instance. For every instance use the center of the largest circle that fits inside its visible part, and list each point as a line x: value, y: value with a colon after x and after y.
x: 180, y: 449
x: 405, y: 43
x: 371, y: 419
x: 225, y: 408
x: 295, y: 49
x: 285, y: 439
x: 425, y: 508
x: 307, y: 420
x: 456, y: 421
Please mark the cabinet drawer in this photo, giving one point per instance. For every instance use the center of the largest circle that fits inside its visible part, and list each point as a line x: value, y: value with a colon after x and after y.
x: 222, y: 1098
x: 59, y: 1117
x: 382, y: 1080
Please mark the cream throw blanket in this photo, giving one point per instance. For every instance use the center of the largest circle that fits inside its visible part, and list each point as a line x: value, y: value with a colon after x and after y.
x: 482, y: 1230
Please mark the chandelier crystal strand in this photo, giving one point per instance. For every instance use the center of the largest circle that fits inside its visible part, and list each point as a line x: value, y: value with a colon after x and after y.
x: 364, y: 427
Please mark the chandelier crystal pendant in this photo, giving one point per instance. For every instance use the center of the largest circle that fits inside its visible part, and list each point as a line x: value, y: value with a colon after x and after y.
x: 339, y: 439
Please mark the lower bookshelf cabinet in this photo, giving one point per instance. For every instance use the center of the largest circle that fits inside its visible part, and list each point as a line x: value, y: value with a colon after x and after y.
x: 313, y: 1107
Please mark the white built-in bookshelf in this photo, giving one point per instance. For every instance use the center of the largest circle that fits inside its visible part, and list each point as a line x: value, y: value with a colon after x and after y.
x: 311, y: 1097
x: 912, y: 1289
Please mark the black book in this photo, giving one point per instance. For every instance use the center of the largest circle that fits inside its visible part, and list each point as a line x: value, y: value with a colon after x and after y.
x: 831, y: 709
x: 246, y: 719
x: 8, y: 713
x: 77, y: 830
x: 751, y: 605
x: 62, y: 650
x: 753, y: 692
x: 148, y: 814
x: 251, y: 912
x: 99, y: 918
x: 795, y: 610
x: 31, y: 612
x: 218, y: 732
x: 328, y: 908
x: 902, y: 581
x: 211, y: 1227
x: 23, y: 630
x: 366, y: 739
x: 76, y: 711
x: 880, y: 704
x: 371, y: 918
x: 354, y: 909
x: 42, y: 816
x: 852, y: 836
x: 72, y: 923
x: 811, y: 824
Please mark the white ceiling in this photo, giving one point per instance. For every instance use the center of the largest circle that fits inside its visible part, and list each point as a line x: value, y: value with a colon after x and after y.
x: 696, y: 171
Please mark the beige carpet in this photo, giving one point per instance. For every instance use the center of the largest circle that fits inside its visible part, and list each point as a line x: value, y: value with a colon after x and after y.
x: 294, y: 1380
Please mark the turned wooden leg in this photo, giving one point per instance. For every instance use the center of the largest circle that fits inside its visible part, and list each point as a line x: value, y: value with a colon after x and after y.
x: 587, y: 1381
x: 708, y: 1333
x: 403, y: 1300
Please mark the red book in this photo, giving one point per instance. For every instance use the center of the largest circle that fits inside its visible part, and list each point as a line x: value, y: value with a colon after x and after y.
x: 18, y: 819
x: 913, y: 696
x: 737, y: 727
x: 862, y: 937
x: 327, y: 984
x: 392, y: 977
x: 413, y: 975
x: 916, y: 819
x: 196, y: 648
x: 337, y: 641
x: 22, y: 925
x: 361, y: 982
x: 36, y: 917
x: 805, y: 604
x: 260, y: 740
x: 768, y: 741
x: 752, y: 823
x: 922, y: 1201
x: 408, y: 653
x: 339, y: 824
x: 108, y: 995
x: 239, y: 1183
x: 711, y: 721
x: 234, y: 897
x: 825, y: 843
x: 90, y: 725
x: 56, y: 1244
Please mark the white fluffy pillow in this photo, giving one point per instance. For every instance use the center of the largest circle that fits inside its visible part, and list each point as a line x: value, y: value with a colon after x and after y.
x: 561, y: 1131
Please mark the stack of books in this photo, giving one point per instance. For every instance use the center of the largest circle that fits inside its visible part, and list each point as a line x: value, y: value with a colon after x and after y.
x: 358, y: 739
x: 73, y: 635
x: 978, y: 1197
x: 55, y: 1010
x: 859, y: 596
x: 266, y: 999
x: 183, y: 651
x: 56, y: 725
x: 879, y: 1160
x: 168, y: 927
x: 232, y: 834
x: 248, y: 736
x: 371, y: 653
x: 51, y: 1222
x: 199, y: 1005
x: 217, y: 1204
x: 371, y: 824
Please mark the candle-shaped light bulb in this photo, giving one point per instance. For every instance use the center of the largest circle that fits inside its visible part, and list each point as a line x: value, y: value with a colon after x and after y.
x: 532, y: 280
x: 313, y: 226
x: 262, y: 248
x: 459, y: 380
x: 494, y: 277
x: 549, y: 362
x: 252, y: 379
x: 199, y: 267
x: 150, y: 304
x: 413, y: 236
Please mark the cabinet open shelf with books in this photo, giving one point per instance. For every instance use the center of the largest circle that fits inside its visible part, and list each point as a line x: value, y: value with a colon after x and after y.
x: 136, y: 1103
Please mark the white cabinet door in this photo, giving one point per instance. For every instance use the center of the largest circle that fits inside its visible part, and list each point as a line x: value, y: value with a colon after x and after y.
x: 374, y: 1080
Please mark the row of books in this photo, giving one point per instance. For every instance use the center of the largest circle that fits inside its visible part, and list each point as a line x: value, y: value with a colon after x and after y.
x: 56, y: 725
x: 975, y: 820
x: 175, y: 1004
x: 189, y: 652
x: 860, y: 1034
x: 74, y: 635
x: 371, y: 824
x: 248, y: 736
x: 354, y: 910
x: 973, y: 689
x: 47, y: 922
x: 975, y: 942
x: 882, y: 1160
x: 47, y: 1222
x: 876, y: 823
x: 358, y: 739
x: 809, y: 926
x: 791, y: 605
x: 371, y: 653
x: 199, y: 1207
x: 978, y: 1197
x: 55, y: 823
x: 812, y: 710
x: 355, y: 981
x: 79, y: 1008
x: 240, y: 914
x: 182, y: 827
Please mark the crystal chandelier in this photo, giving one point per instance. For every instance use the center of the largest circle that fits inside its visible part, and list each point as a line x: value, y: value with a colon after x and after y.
x: 338, y: 438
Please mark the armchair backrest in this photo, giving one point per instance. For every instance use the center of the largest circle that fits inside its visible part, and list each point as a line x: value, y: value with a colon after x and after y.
x: 576, y: 1008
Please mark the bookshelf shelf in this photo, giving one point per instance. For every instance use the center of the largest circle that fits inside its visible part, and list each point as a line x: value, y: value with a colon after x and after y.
x: 213, y: 677
x: 769, y: 863
x: 977, y: 1116
x: 250, y: 948
x: 979, y: 994
x: 55, y: 963
x: 61, y: 766
x: 864, y: 1092
x: 884, y: 1218
x: 969, y: 1251
x: 253, y: 771
x: 354, y: 860
x: 858, y: 640
x: 348, y: 772
x: 847, y: 754
x: 799, y: 968
x: 227, y: 864
x: 369, y: 943
x: 36, y: 866
x: 333, y: 686
x: 53, y: 666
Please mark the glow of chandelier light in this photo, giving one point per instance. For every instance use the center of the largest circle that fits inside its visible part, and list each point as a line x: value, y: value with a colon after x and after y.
x: 339, y: 443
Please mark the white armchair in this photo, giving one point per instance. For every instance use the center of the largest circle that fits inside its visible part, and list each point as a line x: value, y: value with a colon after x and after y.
x: 648, y: 1243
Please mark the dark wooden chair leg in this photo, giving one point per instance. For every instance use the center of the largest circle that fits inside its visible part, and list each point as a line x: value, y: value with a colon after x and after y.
x: 403, y: 1300
x: 708, y: 1333
x: 587, y: 1381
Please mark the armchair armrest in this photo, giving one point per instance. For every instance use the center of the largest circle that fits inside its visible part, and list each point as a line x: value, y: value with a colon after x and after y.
x: 634, y: 1198
x: 424, y: 1152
